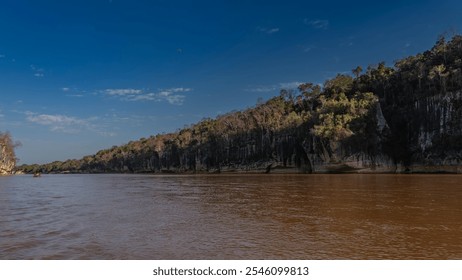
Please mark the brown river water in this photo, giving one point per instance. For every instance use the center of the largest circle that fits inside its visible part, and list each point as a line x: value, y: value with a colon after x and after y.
x: 231, y: 217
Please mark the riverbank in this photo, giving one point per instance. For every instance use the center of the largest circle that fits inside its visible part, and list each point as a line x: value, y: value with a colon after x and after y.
x: 340, y: 168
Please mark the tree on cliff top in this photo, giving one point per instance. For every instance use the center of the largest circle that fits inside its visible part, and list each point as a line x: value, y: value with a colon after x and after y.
x: 7, y: 154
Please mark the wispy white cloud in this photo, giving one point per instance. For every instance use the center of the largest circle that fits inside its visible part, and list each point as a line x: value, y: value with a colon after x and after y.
x: 289, y: 85
x: 67, y: 124
x: 268, y: 30
x: 58, y: 122
x: 272, y: 30
x: 262, y: 89
x: 308, y: 48
x: 123, y: 91
x: 347, y: 42
x: 54, y: 119
x: 173, y: 96
x: 2, y: 56
x: 317, y: 23
x: 275, y: 87
x: 38, y: 72
x: 73, y: 92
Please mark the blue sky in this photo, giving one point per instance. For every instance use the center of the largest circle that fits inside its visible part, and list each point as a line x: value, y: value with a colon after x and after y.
x: 80, y: 76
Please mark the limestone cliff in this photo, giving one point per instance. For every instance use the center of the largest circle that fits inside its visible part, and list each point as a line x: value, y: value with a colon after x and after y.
x: 434, y: 135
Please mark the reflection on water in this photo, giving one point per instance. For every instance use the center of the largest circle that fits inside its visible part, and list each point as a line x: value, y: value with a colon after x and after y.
x: 231, y: 217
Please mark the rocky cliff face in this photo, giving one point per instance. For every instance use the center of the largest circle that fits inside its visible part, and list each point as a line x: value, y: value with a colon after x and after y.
x: 429, y: 141
x: 435, y: 133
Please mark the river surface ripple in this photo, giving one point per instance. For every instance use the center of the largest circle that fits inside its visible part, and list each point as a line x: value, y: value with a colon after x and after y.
x: 231, y: 217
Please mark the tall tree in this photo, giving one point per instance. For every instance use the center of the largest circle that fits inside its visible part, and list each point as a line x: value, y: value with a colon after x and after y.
x: 357, y: 71
x: 7, y: 154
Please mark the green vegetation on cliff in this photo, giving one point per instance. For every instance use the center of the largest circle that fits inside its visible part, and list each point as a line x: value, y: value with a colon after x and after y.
x: 384, y: 119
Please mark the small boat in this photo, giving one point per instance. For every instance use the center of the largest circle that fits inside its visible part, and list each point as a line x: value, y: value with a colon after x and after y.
x: 37, y: 174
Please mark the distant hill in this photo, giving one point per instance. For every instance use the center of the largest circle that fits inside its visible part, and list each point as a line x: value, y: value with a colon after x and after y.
x: 406, y: 118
